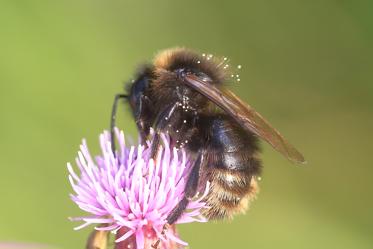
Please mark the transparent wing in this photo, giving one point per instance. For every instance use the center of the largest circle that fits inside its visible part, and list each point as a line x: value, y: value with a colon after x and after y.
x: 245, y: 115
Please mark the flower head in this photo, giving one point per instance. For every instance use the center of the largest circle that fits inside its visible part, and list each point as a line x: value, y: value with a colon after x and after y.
x: 129, y: 191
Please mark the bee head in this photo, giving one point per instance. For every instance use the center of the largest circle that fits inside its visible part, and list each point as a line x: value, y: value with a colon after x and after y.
x: 138, y: 88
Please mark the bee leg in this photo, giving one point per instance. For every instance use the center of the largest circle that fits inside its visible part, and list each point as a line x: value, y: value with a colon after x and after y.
x: 161, y: 122
x: 113, y: 118
x: 142, y: 125
x: 190, y: 191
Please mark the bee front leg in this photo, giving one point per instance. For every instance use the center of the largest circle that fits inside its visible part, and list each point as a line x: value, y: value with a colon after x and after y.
x: 162, y: 120
x: 143, y: 125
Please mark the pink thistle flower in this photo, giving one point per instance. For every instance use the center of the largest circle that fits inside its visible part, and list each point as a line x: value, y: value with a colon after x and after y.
x: 130, y: 193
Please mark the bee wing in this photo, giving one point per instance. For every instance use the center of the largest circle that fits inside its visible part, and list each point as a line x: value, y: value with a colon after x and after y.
x: 245, y: 115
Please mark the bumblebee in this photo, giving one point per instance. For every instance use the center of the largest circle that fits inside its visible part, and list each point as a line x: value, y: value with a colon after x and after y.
x: 182, y: 93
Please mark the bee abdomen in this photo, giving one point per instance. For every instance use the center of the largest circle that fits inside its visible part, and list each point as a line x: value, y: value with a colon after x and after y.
x: 230, y: 193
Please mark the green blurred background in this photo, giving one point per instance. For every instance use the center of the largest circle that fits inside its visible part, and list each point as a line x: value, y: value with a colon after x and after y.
x: 307, y: 67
